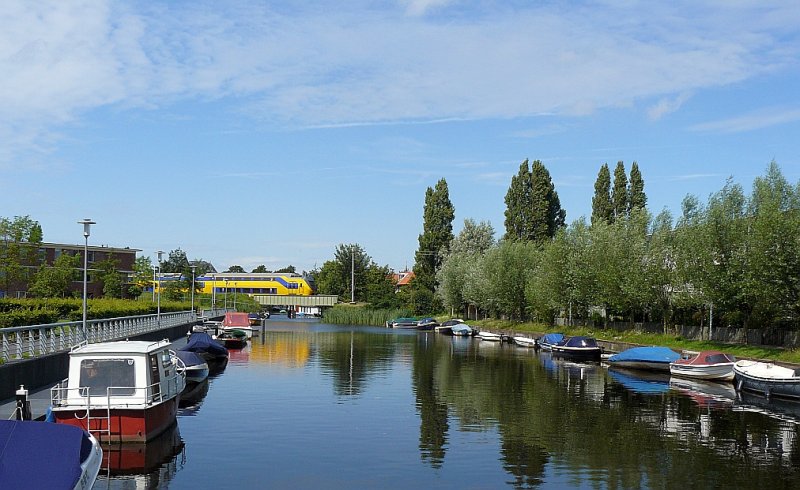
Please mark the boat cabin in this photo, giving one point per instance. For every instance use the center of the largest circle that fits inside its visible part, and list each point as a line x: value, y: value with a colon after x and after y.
x: 120, y: 373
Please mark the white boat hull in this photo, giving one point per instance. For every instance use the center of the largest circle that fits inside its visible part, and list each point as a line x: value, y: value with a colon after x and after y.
x: 766, y: 379
x: 524, y: 341
x: 721, y: 372
x: 492, y: 337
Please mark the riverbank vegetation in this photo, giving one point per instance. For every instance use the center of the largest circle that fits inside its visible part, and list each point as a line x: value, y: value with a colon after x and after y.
x: 637, y: 337
x: 731, y: 261
x: 360, y: 315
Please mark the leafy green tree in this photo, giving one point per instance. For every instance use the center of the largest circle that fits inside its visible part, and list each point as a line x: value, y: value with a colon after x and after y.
x: 602, y: 209
x: 108, y: 274
x: 619, y: 193
x: 260, y: 269
x: 636, y: 195
x: 533, y: 209
x: 380, y: 287
x: 336, y: 276
x: 473, y: 238
x: 142, y: 275
x: 176, y: 262
x: 506, y: 270
x: 288, y: 269
x: 518, y: 214
x: 20, y: 240
x: 773, y: 251
x: 238, y: 269
x: 473, y: 241
x: 55, y: 281
x: 434, y: 243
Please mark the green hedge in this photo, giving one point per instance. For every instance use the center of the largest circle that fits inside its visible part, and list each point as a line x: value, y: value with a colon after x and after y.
x: 23, y: 312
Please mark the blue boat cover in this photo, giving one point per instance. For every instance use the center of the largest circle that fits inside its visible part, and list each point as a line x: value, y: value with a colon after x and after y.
x: 189, y: 358
x: 202, y: 342
x: 41, y: 454
x: 551, y: 338
x: 647, y: 354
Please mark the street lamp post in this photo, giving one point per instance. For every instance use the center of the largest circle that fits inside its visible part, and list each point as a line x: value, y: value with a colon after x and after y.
x: 194, y: 268
x: 154, y: 284
x: 158, y: 308
x: 86, y: 224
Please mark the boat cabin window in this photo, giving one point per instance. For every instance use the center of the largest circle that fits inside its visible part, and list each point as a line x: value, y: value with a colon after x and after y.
x: 100, y: 374
x: 720, y: 358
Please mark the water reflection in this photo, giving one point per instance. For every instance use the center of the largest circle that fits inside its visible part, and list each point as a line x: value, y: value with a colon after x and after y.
x: 140, y: 466
x: 358, y: 407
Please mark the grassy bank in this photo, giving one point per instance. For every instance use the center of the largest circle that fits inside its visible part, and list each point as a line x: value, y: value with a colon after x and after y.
x: 635, y: 337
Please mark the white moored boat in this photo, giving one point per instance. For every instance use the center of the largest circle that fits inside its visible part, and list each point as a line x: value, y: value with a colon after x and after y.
x: 490, y: 336
x: 766, y: 378
x: 524, y: 341
x: 708, y: 365
x: 124, y: 391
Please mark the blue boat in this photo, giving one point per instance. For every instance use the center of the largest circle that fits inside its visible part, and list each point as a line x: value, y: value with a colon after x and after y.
x: 462, y: 330
x: 207, y: 348
x: 548, y: 340
x: 653, y: 358
x: 578, y: 348
x: 47, y: 455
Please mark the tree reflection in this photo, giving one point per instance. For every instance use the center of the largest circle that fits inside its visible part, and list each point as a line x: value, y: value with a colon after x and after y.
x: 434, y: 422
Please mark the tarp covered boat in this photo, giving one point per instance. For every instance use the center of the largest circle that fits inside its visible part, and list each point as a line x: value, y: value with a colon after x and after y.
x: 206, y: 347
x: 46, y: 455
x: 653, y: 358
x: 548, y: 340
x: 578, y: 348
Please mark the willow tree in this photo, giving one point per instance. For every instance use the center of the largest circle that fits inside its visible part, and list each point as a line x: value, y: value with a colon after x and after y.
x: 602, y: 210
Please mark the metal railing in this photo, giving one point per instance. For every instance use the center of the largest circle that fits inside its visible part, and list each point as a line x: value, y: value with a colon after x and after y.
x: 35, y: 341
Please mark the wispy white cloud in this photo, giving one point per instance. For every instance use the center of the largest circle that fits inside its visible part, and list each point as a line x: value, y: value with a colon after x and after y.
x: 311, y: 67
x: 700, y: 176
x: 666, y: 105
x: 420, y: 7
x: 749, y: 122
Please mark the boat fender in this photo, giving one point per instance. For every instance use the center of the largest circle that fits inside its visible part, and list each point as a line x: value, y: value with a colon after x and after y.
x: 739, y: 384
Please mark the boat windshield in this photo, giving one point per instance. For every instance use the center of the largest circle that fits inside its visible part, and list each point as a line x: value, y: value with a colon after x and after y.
x: 720, y: 358
x: 100, y: 374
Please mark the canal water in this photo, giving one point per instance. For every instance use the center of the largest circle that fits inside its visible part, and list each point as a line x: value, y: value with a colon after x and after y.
x: 309, y: 405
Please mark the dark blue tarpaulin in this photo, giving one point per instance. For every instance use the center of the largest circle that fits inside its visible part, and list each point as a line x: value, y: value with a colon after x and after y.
x: 201, y: 342
x: 41, y: 454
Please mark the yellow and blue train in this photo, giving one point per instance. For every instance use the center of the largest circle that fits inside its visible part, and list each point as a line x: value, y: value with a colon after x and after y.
x: 279, y: 283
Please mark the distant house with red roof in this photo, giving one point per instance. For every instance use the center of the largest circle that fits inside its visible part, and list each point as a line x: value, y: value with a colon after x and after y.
x: 402, y: 279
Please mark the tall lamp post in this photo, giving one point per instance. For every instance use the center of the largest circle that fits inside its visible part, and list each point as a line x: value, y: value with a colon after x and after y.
x: 158, y: 308
x: 194, y: 268
x: 86, y: 224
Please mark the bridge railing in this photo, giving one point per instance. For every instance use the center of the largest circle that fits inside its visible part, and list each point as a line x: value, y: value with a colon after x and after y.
x: 33, y: 341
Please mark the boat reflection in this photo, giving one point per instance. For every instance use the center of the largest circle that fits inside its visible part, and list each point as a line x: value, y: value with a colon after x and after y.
x: 192, y: 398
x: 706, y: 394
x: 642, y: 382
x: 777, y: 408
x: 138, y: 458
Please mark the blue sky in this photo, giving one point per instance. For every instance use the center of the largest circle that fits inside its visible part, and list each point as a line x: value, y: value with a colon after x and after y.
x: 267, y: 133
